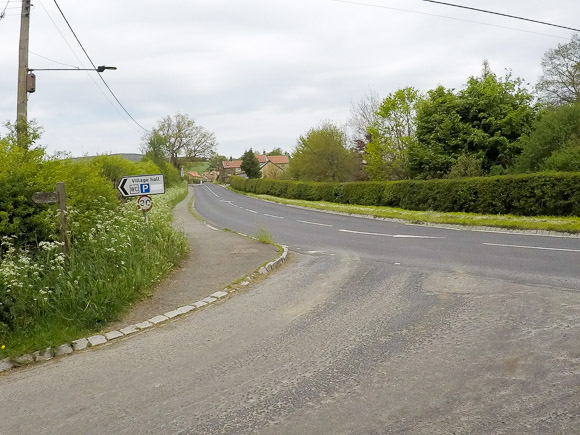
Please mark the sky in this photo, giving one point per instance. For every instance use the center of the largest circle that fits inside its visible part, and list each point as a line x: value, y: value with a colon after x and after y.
x: 257, y: 73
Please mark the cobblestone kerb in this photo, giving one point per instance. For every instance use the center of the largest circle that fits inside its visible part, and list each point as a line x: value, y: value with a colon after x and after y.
x: 95, y: 341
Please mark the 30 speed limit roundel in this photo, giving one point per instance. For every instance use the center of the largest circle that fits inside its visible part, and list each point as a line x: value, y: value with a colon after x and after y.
x: 145, y: 203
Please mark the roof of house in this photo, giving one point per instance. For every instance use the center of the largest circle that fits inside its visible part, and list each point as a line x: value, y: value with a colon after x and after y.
x: 195, y: 174
x: 279, y: 160
x: 262, y: 159
x: 232, y: 164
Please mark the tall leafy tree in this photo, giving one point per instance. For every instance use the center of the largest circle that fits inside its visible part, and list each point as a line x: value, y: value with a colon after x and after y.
x: 560, y: 82
x: 441, y: 135
x: 178, y: 136
x: 323, y: 155
x: 554, y: 142
x: 485, y: 120
x: 392, y: 132
x: 250, y: 164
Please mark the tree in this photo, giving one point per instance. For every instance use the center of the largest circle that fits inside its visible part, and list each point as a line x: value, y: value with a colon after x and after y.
x: 485, y: 120
x: 276, y: 152
x: 560, y: 82
x: 250, y: 164
x: 323, y: 155
x: 215, y: 161
x: 466, y: 166
x: 552, y: 142
x: 394, y: 129
x: 178, y: 135
x: 440, y: 135
x: 363, y: 115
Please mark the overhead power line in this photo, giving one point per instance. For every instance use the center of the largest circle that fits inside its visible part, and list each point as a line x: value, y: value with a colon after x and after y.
x: 515, y: 17
x: 370, y: 5
x: 52, y: 60
x: 3, y: 13
x: 95, y: 67
x: 100, y: 88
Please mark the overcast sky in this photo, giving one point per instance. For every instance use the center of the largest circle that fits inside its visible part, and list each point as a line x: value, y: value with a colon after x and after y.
x: 258, y: 73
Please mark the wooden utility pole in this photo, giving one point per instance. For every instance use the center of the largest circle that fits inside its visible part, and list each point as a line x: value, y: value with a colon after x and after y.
x: 22, y: 108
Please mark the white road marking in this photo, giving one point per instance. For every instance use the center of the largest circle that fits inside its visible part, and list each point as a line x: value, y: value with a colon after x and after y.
x: 531, y: 247
x: 210, y: 227
x: 272, y: 216
x: 213, y: 193
x: 396, y: 236
x: 251, y: 211
x: 314, y: 223
x: 433, y: 226
x: 223, y: 200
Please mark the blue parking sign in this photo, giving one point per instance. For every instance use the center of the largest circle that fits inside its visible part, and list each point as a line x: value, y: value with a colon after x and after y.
x: 145, y: 188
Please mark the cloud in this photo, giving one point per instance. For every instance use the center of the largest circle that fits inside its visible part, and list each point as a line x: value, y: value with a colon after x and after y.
x: 258, y: 73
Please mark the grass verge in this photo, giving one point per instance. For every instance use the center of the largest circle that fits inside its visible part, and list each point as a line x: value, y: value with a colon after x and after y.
x: 545, y: 223
x: 47, y: 300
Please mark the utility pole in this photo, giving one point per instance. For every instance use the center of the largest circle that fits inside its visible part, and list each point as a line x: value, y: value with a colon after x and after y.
x: 22, y: 108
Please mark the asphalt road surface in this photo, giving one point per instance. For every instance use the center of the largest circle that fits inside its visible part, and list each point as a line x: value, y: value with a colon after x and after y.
x: 371, y: 327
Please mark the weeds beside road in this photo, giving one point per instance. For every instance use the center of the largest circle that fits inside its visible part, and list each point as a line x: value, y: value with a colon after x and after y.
x: 50, y: 299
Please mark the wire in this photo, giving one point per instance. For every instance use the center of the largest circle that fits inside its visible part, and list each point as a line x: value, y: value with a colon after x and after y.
x: 113, y: 105
x: 52, y: 60
x: 446, y: 17
x: 515, y: 17
x: 4, y: 11
x: 95, y: 67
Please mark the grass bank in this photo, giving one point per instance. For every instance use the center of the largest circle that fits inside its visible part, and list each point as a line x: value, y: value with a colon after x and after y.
x: 545, y: 223
x: 47, y: 300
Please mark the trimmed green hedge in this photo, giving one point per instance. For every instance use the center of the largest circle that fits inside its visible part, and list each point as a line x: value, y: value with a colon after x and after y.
x: 541, y: 194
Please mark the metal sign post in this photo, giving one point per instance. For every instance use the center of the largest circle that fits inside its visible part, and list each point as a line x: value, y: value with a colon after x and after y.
x: 145, y: 203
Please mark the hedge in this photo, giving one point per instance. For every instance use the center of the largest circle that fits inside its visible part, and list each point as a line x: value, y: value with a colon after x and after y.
x: 540, y: 194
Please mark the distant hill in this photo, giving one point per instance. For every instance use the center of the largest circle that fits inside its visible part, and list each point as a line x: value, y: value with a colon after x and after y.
x: 134, y: 157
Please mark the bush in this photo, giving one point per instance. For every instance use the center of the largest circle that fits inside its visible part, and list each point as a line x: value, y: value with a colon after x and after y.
x: 554, y: 194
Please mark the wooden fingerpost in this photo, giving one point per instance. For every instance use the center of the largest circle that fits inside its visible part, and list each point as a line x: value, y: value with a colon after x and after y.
x: 58, y: 197
x: 61, y: 193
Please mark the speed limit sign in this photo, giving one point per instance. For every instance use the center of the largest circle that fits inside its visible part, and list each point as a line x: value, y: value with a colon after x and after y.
x: 145, y: 203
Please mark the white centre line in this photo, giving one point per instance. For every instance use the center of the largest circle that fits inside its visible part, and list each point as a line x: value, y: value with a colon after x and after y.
x: 272, y: 216
x: 396, y: 236
x: 531, y: 247
x: 251, y: 211
x: 213, y: 193
x: 314, y: 223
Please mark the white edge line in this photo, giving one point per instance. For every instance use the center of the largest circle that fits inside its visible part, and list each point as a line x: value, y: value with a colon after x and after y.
x: 531, y: 247
x: 314, y: 223
x: 396, y: 236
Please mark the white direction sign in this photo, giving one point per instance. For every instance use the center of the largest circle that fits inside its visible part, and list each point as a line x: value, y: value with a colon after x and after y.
x: 137, y: 185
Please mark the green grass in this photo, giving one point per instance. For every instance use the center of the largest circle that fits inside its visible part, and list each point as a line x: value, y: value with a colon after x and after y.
x: 199, y: 167
x: 545, y: 223
x: 48, y: 300
x: 264, y: 236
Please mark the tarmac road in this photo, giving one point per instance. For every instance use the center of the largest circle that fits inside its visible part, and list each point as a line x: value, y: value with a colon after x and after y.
x: 408, y: 336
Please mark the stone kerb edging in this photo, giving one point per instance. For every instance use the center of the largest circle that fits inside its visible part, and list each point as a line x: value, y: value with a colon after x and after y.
x: 98, y: 340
